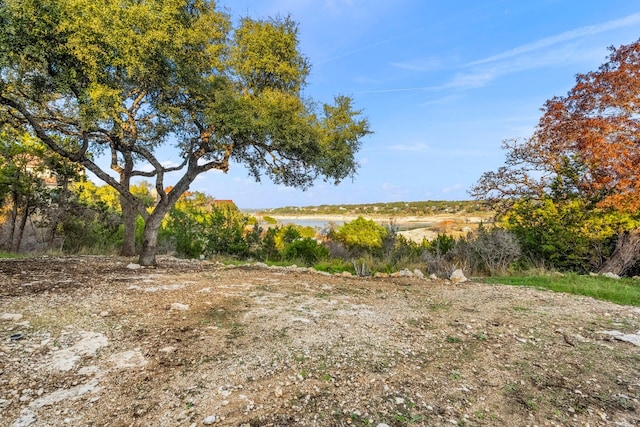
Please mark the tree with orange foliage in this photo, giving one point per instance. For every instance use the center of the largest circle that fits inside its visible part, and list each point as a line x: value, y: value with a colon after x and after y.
x: 599, y: 122
x: 587, y: 145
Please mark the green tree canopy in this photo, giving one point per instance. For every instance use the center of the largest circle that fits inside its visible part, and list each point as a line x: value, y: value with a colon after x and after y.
x: 361, y: 235
x: 125, y: 78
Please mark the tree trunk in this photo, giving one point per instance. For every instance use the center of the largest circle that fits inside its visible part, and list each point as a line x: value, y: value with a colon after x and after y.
x: 14, y: 219
x: 59, y: 213
x: 625, y: 255
x: 150, y: 238
x: 21, y: 227
x: 129, y: 215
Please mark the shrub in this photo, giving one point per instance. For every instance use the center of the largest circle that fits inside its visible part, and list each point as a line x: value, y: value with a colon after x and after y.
x: 567, y: 235
x: 197, y: 226
x: 268, y: 250
x: 496, y: 249
x: 332, y: 265
x: 90, y: 228
x: 184, y: 231
x: 439, y: 264
x: 269, y: 220
x: 360, y: 236
x: 337, y: 250
x: 225, y: 233
x: 307, y: 250
x: 486, y: 251
x: 442, y: 244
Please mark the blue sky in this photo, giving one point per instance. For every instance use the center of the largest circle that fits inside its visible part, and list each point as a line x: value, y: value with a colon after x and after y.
x: 442, y: 83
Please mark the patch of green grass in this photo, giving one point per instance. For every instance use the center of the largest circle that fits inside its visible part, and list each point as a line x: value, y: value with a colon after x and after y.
x: 11, y: 255
x: 218, y: 317
x: 300, y: 358
x: 622, y: 291
x: 326, y: 377
x: 406, y: 419
x: 438, y: 306
x: 380, y: 366
x: 455, y: 375
x: 280, y: 334
x: 229, y: 261
x: 236, y: 331
x: 333, y: 266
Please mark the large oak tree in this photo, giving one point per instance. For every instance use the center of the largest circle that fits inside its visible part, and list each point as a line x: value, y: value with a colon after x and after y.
x: 586, y: 145
x: 123, y: 79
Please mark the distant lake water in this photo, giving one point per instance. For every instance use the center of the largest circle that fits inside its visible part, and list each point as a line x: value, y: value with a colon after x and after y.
x: 321, y: 223
x: 305, y: 222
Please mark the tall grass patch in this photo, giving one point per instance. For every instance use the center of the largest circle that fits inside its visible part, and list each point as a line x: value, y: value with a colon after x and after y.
x: 10, y: 255
x: 622, y: 291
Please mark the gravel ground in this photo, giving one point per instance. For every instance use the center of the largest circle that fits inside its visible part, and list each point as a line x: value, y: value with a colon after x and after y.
x: 95, y: 341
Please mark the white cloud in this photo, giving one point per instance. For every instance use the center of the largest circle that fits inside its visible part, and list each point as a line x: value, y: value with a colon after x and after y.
x: 419, y: 146
x: 394, y: 90
x: 460, y: 152
x: 285, y: 189
x: 393, y: 192
x: 559, y: 49
x: 338, y: 6
x: 484, y: 74
x: 442, y: 100
x: 357, y: 50
x: 364, y: 80
x: 170, y: 164
x: 563, y: 48
x: 561, y: 38
x: 244, y: 181
x: 422, y: 65
x: 473, y: 80
x: 387, y: 186
x: 453, y: 188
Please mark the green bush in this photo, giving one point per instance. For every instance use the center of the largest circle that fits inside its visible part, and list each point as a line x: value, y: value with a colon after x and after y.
x: 93, y: 228
x: 307, y: 250
x: 360, y: 236
x: 441, y: 245
x: 269, y: 220
x: 333, y: 265
x: 185, y: 232
x: 274, y: 242
x: 198, y: 226
x: 268, y: 250
x: 225, y: 233
x: 485, y: 251
x: 568, y: 235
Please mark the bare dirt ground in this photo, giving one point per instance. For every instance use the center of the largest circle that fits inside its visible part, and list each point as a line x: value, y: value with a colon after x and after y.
x: 87, y: 341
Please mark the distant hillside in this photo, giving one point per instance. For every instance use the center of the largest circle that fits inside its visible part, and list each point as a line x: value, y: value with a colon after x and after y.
x: 425, y: 208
